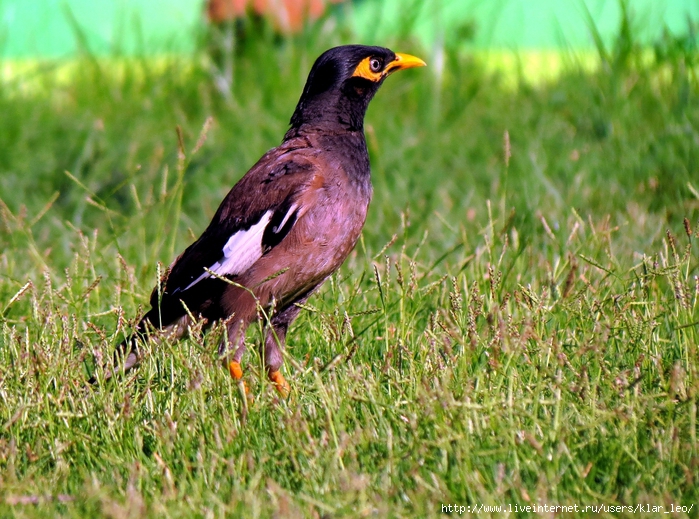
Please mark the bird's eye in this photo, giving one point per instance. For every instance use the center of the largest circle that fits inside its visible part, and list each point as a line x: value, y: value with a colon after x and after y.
x: 375, y: 64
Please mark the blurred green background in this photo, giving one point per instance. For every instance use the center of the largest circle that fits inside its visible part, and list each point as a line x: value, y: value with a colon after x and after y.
x: 57, y: 28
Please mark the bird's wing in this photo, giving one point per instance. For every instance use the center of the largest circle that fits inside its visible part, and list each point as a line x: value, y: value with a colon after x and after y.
x: 254, y: 217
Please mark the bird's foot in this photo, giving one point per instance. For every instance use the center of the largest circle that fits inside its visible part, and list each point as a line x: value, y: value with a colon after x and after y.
x: 237, y: 373
x: 280, y: 383
x: 235, y: 370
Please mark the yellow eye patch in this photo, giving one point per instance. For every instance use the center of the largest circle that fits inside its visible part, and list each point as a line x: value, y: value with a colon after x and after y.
x: 364, y: 70
x: 400, y: 62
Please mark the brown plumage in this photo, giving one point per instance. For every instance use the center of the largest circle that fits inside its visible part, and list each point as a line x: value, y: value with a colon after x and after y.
x: 288, y: 224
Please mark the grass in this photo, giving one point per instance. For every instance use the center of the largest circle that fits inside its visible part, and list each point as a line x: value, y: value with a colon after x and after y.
x: 518, y: 325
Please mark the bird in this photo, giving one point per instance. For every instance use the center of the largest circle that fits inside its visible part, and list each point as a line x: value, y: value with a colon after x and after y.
x: 285, y: 226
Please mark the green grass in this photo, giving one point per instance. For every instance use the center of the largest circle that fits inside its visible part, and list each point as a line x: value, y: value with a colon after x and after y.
x: 519, y: 323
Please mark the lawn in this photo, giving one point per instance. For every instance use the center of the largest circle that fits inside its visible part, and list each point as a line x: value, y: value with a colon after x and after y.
x: 518, y: 325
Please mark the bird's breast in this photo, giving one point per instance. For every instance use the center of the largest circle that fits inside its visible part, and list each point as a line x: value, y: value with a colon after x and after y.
x: 320, y: 241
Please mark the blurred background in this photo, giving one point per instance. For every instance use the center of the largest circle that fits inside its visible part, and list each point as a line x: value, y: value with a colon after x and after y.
x: 59, y: 28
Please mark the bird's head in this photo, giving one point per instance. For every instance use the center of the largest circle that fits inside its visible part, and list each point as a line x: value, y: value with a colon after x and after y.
x: 341, y: 83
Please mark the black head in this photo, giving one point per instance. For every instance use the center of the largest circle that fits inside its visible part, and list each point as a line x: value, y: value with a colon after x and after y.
x: 342, y: 82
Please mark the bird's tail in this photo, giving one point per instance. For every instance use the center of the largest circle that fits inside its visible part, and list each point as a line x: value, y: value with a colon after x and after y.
x: 127, y: 354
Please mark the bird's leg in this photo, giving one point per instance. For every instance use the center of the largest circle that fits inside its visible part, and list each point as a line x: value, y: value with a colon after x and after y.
x: 275, y: 340
x: 272, y: 357
x: 232, y: 349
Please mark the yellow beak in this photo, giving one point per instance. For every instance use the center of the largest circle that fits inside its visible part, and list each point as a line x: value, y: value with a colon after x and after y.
x: 404, y: 61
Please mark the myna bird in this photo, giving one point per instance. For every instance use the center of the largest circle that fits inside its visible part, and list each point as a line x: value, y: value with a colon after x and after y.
x: 287, y: 225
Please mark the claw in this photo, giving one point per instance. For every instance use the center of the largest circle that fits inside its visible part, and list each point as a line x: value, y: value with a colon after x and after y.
x: 280, y: 383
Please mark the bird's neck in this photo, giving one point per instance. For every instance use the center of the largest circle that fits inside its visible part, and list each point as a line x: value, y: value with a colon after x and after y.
x: 348, y: 149
x: 332, y: 138
x: 336, y: 113
x: 326, y: 128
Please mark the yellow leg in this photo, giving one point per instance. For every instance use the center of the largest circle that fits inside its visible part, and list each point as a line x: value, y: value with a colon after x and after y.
x: 280, y: 383
x: 235, y: 370
x: 237, y: 373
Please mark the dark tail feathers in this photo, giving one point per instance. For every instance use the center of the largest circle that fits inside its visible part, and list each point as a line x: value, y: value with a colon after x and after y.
x: 126, y: 354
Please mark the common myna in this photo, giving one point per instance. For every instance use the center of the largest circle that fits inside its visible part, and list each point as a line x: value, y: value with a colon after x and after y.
x: 287, y: 225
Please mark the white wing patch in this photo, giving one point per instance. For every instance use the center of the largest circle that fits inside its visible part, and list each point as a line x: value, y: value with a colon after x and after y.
x: 240, y: 252
x: 244, y: 248
x: 286, y: 219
